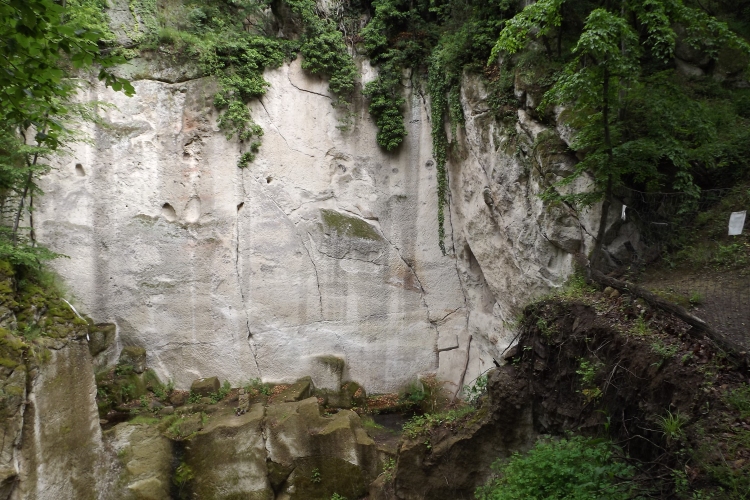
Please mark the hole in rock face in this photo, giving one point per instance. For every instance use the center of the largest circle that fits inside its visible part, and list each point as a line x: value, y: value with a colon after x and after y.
x: 80, y: 172
x: 239, y: 207
x: 167, y: 211
x: 193, y: 209
x: 269, y: 179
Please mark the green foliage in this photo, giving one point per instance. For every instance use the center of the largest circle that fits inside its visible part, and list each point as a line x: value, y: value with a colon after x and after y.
x: 315, y: 476
x: 640, y: 326
x: 194, y: 397
x: 672, y: 425
x: 385, y: 106
x: 256, y: 385
x: 577, y: 287
x: 636, y: 119
x: 414, y: 393
x: 182, y: 475
x: 588, y: 371
x: 739, y: 399
x: 443, y: 37
x: 388, y: 468
x: 422, y: 424
x: 574, y: 468
x: 42, y: 42
x: 213, y: 34
x: 537, y: 19
x: 222, y: 392
x: 336, y: 496
x: 664, y: 351
x: 323, y: 49
x: 476, y: 390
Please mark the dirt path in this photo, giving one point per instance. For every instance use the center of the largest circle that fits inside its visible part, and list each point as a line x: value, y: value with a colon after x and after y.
x: 721, y: 298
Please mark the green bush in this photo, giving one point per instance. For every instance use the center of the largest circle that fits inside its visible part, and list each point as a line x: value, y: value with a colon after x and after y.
x: 575, y: 468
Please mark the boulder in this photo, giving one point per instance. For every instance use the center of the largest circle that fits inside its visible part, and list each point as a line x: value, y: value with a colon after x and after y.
x: 101, y: 337
x: 301, y: 389
x: 145, y: 456
x: 178, y: 398
x: 228, y: 458
x: 349, y: 396
x: 327, y: 454
x: 205, y: 386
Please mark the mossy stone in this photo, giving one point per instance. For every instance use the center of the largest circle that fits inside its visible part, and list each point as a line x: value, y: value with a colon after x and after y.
x: 320, y: 477
x: 301, y: 389
x: 101, y: 337
x: 228, y: 458
x: 348, y: 226
x: 133, y: 356
x: 277, y: 474
x: 350, y: 395
x: 205, y: 386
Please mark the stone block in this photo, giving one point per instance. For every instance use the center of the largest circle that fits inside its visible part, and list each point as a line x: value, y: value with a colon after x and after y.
x: 205, y: 386
x: 178, y: 398
x: 101, y: 337
x: 301, y: 389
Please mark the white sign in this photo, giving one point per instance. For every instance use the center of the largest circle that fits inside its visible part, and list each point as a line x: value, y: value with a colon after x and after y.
x: 736, y: 223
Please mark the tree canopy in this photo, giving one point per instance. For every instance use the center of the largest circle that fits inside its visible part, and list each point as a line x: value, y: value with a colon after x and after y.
x: 637, y: 119
x: 42, y: 43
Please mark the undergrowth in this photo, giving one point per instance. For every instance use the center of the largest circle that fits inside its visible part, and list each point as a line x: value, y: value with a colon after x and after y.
x: 574, y: 468
x: 231, y: 41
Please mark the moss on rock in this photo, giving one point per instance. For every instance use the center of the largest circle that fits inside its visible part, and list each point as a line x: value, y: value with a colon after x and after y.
x: 348, y: 226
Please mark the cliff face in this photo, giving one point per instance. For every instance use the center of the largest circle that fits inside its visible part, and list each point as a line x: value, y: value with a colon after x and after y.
x: 324, y: 246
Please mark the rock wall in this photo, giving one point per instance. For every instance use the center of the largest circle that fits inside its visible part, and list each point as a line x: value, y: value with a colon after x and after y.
x: 324, y: 246
x: 510, y: 246
x: 61, y: 452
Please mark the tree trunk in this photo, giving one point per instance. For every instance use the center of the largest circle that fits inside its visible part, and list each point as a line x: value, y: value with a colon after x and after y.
x: 20, y: 208
x: 600, y: 234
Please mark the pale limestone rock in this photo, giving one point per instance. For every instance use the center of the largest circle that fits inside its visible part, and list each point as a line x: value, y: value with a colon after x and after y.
x: 325, y: 246
x: 511, y: 248
x: 218, y: 270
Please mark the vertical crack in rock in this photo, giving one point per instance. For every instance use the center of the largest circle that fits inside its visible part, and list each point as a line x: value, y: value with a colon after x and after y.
x: 432, y: 323
x: 250, y: 340
x: 301, y: 240
x: 315, y: 268
x: 270, y: 120
x: 413, y: 272
x: 455, y: 260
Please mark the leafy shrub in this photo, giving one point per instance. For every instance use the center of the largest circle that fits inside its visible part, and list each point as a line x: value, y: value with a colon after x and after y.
x: 671, y: 425
x: 257, y: 386
x: 182, y: 475
x: 422, y: 424
x: 221, y: 393
x: 575, y: 468
x: 475, y: 391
